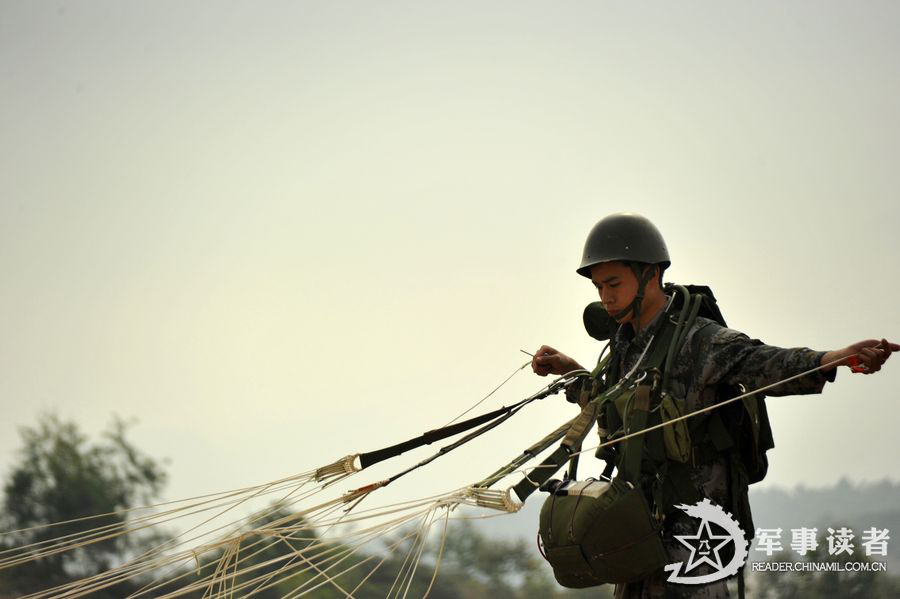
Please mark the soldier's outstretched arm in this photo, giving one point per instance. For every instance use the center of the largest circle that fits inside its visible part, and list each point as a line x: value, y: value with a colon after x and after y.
x: 872, y: 354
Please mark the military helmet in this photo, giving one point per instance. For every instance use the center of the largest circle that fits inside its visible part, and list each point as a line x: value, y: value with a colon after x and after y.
x: 626, y: 237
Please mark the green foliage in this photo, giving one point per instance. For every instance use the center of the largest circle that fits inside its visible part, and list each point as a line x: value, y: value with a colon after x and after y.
x: 61, y: 477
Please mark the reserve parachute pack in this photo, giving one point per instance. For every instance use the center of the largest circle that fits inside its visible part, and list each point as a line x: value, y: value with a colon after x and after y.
x: 606, y: 531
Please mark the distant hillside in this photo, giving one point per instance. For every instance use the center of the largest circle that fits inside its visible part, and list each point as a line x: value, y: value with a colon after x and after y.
x: 856, y: 506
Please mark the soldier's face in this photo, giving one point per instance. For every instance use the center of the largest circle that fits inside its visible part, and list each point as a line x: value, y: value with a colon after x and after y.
x: 617, y: 286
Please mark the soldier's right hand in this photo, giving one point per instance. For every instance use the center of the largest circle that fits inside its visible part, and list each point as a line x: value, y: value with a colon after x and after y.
x: 547, y: 360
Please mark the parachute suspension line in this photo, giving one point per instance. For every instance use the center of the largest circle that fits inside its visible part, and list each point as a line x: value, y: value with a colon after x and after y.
x: 220, y: 503
x: 499, y: 416
x: 276, y: 531
x: 413, y: 556
x: 290, y: 536
x: 712, y: 407
x: 368, y: 535
x: 527, y: 455
x: 340, y: 469
x: 391, y: 548
x: 494, y: 499
x: 118, y: 575
x: 564, y: 453
x: 133, y: 568
x: 418, y: 534
x: 423, y: 539
x: 326, y: 476
x: 255, y: 518
x: 440, y: 554
x: 497, y: 388
x: 76, y: 540
x: 407, y: 566
x: 142, y: 563
x: 313, y: 551
x: 208, y: 497
x: 221, y: 577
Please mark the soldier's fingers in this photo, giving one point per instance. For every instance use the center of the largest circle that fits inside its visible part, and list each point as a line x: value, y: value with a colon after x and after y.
x: 885, y: 348
x: 871, y: 353
x: 872, y: 358
x: 859, y: 345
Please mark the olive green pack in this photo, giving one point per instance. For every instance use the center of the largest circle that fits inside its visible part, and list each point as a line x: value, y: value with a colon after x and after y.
x: 582, y: 527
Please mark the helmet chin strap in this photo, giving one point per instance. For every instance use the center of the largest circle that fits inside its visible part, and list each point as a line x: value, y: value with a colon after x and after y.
x: 643, y: 273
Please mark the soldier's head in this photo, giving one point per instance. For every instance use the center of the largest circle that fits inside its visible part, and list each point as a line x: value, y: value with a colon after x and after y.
x: 625, y: 256
x: 619, y: 283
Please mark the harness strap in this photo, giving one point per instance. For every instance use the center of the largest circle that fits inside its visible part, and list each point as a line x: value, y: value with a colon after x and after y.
x: 530, y: 453
x: 542, y: 473
x: 571, y: 444
x: 429, y: 437
x: 580, y: 427
x: 630, y: 468
x: 577, y: 432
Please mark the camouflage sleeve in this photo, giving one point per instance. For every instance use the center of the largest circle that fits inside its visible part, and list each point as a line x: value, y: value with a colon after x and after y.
x: 573, y: 391
x: 733, y: 358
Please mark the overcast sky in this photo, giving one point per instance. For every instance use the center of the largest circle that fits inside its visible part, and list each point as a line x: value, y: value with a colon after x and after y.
x: 277, y: 233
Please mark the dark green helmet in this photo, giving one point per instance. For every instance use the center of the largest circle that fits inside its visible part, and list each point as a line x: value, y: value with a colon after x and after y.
x: 626, y: 237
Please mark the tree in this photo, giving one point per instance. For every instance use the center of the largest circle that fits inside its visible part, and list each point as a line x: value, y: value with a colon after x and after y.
x: 61, y: 477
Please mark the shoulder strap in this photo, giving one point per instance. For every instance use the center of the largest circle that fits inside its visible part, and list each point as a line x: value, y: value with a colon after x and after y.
x: 634, y: 448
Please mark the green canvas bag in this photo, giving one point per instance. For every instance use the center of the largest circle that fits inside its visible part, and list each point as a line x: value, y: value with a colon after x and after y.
x: 596, y: 532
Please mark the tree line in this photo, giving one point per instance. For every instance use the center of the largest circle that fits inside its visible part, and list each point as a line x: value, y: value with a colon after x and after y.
x: 61, y: 476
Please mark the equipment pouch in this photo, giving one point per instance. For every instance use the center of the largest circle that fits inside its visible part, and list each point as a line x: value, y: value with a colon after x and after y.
x: 594, y: 532
x: 676, y: 436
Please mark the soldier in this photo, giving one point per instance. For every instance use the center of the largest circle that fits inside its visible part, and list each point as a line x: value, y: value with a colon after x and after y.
x: 625, y: 257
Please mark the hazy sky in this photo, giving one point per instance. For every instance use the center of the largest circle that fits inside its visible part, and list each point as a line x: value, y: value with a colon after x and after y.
x: 277, y: 233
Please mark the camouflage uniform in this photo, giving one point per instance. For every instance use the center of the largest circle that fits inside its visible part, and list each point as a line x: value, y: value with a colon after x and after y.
x: 725, y: 357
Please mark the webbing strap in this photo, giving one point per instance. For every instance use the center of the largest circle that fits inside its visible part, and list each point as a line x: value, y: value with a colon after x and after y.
x: 588, y: 416
x: 661, y: 345
x: 542, y: 473
x: 630, y: 468
x: 526, y: 455
x: 578, y: 431
x: 581, y: 426
x: 373, y: 457
x: 571, y: 443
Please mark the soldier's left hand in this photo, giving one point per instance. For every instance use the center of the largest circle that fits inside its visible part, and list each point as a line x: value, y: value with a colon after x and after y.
x: 872, y: 354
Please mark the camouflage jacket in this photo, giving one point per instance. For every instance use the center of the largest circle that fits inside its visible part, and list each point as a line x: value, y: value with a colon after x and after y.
x: 727, y: 357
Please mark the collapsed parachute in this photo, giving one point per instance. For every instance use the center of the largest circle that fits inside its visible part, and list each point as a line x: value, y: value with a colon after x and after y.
x: 322, y: 536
